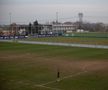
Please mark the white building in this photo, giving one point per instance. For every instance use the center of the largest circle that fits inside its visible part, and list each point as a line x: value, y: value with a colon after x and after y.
x: 62, y: 28
x: 22, y: 31
x: 58, y: 28
x: 46, y: 29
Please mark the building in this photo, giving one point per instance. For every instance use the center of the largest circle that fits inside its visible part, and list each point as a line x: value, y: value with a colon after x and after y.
x: 46, y: 29
x: 63, y: 28
x: 58, y: 28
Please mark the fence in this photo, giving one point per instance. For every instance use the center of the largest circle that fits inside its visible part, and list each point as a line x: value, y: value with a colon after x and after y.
x: 89, y: 38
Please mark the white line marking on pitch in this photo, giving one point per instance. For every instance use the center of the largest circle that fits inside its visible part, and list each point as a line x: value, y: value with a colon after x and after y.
x: 47, y: 87
x: 64, y: 78
x: 49, y: 82
x: 73, y: 75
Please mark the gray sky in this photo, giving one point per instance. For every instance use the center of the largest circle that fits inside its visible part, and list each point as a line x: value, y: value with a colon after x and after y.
x: 25, y: 11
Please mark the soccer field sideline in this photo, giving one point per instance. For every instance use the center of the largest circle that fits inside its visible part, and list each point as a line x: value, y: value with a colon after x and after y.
x: 59, y: 44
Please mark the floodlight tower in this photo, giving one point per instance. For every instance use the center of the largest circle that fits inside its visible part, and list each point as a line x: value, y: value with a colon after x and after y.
x: 10, y: 17
x: 56, y: 17
x: 80, y: 15
x: 10, y: 20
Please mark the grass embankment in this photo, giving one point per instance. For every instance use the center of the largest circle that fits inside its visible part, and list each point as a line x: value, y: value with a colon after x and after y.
x: 78, y: 40
x: 25, y: 66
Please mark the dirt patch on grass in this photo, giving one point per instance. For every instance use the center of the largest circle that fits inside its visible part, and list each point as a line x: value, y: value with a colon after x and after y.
x: 18, y: 56
x: 86, y: 65
x: 54, y: 63
x: 70, y: 66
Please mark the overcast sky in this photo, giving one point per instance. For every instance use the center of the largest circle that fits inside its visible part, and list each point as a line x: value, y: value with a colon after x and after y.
x: 25, y: 11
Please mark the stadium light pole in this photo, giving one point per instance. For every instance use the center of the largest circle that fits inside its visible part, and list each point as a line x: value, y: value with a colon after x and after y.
x: 10, y: 14
x: 80, y: 15
x: 56, y: 17
x: 10, y: 22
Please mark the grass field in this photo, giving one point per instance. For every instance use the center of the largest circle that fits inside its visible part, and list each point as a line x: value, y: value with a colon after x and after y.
x: 88, y: 34
x: 78, y: 40
x: 34, y: 67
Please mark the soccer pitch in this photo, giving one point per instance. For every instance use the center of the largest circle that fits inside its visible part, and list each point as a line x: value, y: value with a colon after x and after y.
x: 35, y: 67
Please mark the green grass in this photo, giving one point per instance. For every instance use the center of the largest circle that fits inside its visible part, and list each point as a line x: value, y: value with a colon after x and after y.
x: 79, y: 40
x: 91, y: 81
x: 55, y: 51
x: 89, y: 34
x: 24, y: 66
